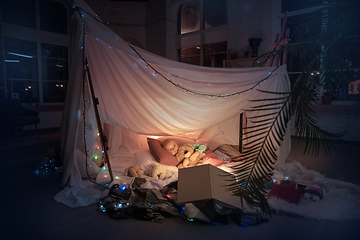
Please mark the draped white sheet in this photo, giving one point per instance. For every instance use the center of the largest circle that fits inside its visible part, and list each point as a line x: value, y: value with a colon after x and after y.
x: 138, y: 96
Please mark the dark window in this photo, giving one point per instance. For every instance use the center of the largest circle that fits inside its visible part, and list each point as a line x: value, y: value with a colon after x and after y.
x: 53, y: 17
x: 214, y: 54
x: 19, y: 12
x: 190, y: 17
x: 190, y: 55
x: 54, y: 72
x: 215, y: 13
x: 21, y: 69
x: 293, y: 5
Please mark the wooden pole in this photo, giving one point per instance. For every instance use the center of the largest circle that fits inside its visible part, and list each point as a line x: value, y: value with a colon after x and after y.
x: 241, y: 132
x: 101, y: 132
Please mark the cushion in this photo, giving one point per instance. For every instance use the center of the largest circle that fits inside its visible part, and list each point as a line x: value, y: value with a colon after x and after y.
x: 146, y: 161
x: 160, y: 154
x: 286, y: 193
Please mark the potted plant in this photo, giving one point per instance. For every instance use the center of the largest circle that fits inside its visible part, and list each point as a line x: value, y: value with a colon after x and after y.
x: 321, y: 51
x: 326, y: 98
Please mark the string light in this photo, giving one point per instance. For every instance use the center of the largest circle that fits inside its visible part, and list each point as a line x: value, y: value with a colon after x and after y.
x: 85, y: 101
x: 185, y: 90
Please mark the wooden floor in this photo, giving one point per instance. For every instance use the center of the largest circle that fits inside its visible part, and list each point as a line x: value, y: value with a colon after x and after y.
x: 29, y: 211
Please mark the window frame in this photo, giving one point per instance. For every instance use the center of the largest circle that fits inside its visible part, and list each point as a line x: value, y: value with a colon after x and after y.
x: 306, y: 11
x: 201, y: 37
x: 39, y: 37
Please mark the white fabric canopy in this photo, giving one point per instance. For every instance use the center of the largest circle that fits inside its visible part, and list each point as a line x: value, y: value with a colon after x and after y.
x: 150, y: 95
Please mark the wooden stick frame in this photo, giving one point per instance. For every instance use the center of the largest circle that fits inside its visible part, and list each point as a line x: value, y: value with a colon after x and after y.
x: 103, y: 140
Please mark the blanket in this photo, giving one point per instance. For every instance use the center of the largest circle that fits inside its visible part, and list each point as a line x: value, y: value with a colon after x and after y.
x: 126, y: 201
x: 342, y: 199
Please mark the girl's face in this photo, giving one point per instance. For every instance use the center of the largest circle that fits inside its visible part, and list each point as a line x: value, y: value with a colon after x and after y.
x: 172, y: 147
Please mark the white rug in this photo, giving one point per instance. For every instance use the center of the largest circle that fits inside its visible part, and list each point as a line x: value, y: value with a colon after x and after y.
x: 342, y: 201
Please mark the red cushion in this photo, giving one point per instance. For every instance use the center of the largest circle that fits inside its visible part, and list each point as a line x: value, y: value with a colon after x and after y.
x: 160, y: 154
x: 286, y: 193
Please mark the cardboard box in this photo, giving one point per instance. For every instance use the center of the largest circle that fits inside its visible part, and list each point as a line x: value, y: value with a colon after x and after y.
x: 206, y: 182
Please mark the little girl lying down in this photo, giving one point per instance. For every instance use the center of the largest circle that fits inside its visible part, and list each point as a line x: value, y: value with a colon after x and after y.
x: 208, y: 157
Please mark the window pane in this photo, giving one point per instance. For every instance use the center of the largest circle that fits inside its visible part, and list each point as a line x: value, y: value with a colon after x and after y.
x: 293, y: 5
x: 190, y: 55
x: 189, y: 17
x: 215, y: 13
x: 19, y: 12
x: 54, y: 72
x: 54, y: 51
x: 26, y: 90
x: 54, y: 62
x: 295, y: 22
x: 54, y: 69
x: 53, y: 17
x: 54, y: 91
x: 215, y: 48
x: 214, y: 54
x: 21, y: 69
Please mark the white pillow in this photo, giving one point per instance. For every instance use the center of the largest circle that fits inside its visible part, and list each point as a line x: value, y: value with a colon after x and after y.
x: 146, y: 160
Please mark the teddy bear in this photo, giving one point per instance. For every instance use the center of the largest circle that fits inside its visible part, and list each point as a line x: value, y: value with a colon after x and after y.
x: 186, y: 156
x: 160, y: 172
x: 134, y: 171
x: 315, y: 190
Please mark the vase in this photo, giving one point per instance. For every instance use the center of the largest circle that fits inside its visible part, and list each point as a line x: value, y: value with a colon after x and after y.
x: 326, y: 100
x: 254, y: 44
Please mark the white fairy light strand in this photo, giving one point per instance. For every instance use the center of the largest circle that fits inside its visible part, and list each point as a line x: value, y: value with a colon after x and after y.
x: 178, y: 85
x: 84, y: 103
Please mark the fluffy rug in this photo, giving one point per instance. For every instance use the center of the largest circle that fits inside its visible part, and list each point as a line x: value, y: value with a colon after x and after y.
x: 342, y: 201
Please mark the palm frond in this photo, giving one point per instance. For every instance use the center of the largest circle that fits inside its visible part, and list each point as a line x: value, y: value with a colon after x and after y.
x: 267, y: 121
x: 310, y: 134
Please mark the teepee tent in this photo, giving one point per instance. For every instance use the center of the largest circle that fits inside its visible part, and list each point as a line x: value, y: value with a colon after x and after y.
x: 140, y: 94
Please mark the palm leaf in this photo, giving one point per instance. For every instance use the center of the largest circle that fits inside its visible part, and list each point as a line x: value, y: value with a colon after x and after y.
x: 261, y: 142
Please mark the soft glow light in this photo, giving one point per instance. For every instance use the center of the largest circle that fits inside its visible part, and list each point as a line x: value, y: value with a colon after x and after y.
x: 153, y: 137
x: 12, y: 61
